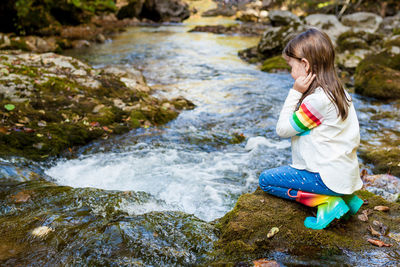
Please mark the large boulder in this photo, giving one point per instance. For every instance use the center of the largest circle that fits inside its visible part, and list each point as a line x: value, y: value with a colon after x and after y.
x: 353, y: 46
x: 131, y: 10
x: 327, y: 23
x: 274, y: 39
x: 390, y: 24
x: 220, y: 10
x: 245, y: 231
x: 165, y: 10
x: 378, y: 75
x: 282, y: 18
x: 364, y: 21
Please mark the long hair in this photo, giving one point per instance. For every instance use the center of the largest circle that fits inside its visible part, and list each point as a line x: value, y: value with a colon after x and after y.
x: 317, y: 48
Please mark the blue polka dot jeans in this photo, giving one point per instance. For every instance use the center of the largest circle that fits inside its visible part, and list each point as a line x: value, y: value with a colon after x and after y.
x: 278, y: 181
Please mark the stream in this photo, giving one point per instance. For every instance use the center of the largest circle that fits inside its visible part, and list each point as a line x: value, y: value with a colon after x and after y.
x: 149, y: 197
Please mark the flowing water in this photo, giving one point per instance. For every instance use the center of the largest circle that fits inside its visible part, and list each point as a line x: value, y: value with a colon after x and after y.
x: 167, y: 183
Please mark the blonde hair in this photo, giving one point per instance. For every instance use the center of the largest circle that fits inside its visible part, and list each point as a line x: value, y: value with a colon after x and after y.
x: 317, y: 48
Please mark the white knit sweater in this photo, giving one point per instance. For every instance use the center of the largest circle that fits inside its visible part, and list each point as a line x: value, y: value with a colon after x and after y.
x: 321, y: 141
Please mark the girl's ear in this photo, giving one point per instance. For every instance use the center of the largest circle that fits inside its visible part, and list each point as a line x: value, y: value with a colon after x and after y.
x: 305, y: 64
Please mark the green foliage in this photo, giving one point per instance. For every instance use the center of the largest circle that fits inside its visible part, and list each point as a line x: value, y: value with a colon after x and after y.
x: 32, y: 15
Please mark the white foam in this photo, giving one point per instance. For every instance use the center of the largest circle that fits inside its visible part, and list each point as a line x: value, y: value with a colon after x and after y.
x: 254, y: 142
x: 189, y: 181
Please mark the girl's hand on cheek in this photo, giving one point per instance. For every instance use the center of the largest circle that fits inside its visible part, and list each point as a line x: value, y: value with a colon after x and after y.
x: 303, y: 82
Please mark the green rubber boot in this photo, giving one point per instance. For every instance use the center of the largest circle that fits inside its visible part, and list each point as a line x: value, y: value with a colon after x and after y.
x: 329, y: 208
x: 354, y: 203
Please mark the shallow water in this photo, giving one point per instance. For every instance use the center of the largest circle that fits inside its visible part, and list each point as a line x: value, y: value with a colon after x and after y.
x: 190, y: 171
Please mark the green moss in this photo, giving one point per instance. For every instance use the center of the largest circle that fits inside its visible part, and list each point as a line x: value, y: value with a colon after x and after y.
x: 242, y: 231
x: 136, y: 117
x: 275, y: 63
x: 60, y: 112
x: 393, y: 42
x: 357, y: 40
x: 19, y: 44
x: 379, y: 76
x: 29, y: 16
x: 384, y: 160
x: 29, y: 71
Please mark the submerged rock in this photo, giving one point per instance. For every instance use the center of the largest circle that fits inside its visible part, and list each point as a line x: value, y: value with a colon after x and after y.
x: 50, y: 103
x: 244, y: 230
x: 87, y: 226
x: 385, y: 185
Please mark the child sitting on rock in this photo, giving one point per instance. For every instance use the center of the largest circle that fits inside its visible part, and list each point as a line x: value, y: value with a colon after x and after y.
x: 320, y: 118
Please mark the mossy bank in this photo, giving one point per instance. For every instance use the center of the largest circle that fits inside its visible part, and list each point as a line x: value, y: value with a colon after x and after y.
x: 49, y: 104
x: 243, y: 230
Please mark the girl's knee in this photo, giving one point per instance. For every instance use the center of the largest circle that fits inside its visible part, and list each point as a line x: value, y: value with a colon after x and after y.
x: 263, y: 180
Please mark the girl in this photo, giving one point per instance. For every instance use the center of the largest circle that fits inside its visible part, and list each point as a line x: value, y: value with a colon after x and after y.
x: 319, y: 116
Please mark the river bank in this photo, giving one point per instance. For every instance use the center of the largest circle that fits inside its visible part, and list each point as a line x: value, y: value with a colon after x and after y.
x: 51, y: 104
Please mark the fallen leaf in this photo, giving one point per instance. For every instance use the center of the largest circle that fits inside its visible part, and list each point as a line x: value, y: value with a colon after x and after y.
x: 382, y: 228
x: 378, y: 243
x: 21, y: 197
x: 363, y: 217
x: 265, y: 263
x: 381, y: 208
x: 28, y: 130
x: 373, y: 231
x: 272, y: 232
x: 19, y: 124
x: 94, y: 124
x: 24, y: 120
x: 3, y: 130
x: 9, y: 107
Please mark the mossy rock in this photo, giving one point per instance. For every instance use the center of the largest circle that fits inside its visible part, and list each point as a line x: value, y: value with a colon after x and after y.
x: 243, y: 231
x: 60, y: 103
x: 384, y: 158
x: 275, y: 39
x: 393, y: 41
x: 378, y: 76
x: 351, y: 40
x: 273, y: 64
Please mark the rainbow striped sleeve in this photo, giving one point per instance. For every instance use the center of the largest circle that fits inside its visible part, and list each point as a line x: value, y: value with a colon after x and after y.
x: 305, y: 118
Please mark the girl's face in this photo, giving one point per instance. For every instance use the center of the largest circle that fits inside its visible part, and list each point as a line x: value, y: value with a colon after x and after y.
x: 298, y: 67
